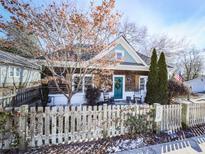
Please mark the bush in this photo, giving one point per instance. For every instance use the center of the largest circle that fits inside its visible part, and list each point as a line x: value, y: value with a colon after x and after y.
x: 139, y: 124
x: 92, y: 95
x: 152, y: 83
x: 176, y: 89
x: 163, y: 80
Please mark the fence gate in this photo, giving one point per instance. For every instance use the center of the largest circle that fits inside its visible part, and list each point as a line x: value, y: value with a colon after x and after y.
x: 171, y: 117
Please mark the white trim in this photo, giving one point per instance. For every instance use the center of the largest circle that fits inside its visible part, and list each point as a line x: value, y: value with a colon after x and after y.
x: 129, y: 68
x: 116, y: 67
x: 145, y: 80
x: 123, y: 89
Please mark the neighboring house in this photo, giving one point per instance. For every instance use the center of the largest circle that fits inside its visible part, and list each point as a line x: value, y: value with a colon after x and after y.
x: 196, y: 85
x: 129, y: 78
x: 17, y: 72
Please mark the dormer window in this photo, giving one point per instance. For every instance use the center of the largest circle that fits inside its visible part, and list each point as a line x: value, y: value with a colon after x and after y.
x: 119, y: 55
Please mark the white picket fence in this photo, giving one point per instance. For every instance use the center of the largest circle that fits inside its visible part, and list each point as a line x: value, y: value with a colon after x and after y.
x: 64, y: 125
x: 55, y: 125
x: 171, y: 117
x: 196, y: 114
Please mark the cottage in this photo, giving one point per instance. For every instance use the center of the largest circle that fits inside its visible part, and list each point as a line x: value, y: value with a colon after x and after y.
x: 128, y: 80
x: 17, y: 72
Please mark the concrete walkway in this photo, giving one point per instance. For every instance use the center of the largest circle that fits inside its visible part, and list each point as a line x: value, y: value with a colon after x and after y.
x: 194, y: 145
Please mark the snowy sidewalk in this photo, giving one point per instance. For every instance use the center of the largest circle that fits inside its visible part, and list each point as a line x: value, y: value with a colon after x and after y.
x: 192, y: 145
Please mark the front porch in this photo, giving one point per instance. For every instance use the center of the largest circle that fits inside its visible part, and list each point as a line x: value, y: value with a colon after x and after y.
x: 122, y: 87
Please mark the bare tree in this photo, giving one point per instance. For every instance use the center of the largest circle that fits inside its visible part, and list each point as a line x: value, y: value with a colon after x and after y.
x: 68, y: 38
x: 190, y: 61
x: 135, y: 35
x: 145, y: 42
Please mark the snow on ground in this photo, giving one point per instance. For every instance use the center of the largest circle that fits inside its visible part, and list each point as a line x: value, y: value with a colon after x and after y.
x: 196, y: 98
x: 192, y: 145
x: 121, y: 145
x: 60, y: 99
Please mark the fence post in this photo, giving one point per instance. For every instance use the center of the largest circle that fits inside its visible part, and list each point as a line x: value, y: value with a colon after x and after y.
x: 23, y: 126
x: 185, y: 115
x: 158, y: 109
x: 105, y: 132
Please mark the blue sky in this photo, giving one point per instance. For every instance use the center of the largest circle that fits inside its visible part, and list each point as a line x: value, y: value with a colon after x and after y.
x: 176, y: 18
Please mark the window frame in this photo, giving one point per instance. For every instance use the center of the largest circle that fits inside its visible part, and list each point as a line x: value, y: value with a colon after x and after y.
x: 84, y: 88
x: 145, y: 82
x: 14, y: 71
x: 18, y: 72
x: 73, y: 83
x: 83, y: 82
x: 119, y: 51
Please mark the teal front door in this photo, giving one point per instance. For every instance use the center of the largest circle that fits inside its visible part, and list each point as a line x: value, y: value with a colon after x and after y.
x: 118, y: 87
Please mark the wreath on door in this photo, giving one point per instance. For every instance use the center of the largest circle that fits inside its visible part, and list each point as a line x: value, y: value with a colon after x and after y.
x: 118, y: 84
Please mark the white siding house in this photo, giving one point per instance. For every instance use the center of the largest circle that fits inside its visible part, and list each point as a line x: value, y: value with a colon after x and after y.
x: 196, y: 85
x: 16, y: 71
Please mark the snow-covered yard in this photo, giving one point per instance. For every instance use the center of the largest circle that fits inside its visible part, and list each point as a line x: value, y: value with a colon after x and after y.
x: 196, y: 98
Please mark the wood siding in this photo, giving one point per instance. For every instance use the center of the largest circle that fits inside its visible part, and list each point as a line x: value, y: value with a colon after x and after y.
x: 131, y: 79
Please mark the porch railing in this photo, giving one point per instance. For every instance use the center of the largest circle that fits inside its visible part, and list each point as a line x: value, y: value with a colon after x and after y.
x: 22, y: 96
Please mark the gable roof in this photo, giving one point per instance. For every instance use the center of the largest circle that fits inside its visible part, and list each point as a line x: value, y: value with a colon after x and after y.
x: 146, y: 59
x: 12, y: 59
x: 122, y: 41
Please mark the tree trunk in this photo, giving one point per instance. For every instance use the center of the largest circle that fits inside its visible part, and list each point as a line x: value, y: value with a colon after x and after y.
x: 69, y: 98
x: 69, y: 102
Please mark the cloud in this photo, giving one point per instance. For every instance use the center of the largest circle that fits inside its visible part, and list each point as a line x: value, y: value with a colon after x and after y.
x: 188, y: 23
x: 193, y: 29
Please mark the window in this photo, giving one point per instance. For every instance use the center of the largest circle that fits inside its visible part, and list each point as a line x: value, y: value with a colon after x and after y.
x: 11, y: 71
x: 17, y: 72
x: 129, y: 82
x: 119, y: 55
x: 142, y: 83
x: 85, y: 82
x: 76, y: 84
x: 14, y: 71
